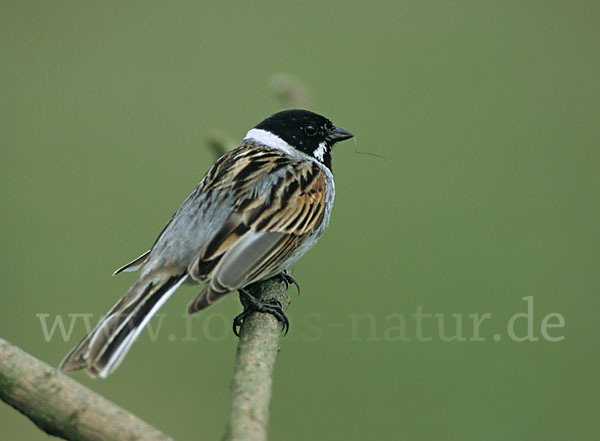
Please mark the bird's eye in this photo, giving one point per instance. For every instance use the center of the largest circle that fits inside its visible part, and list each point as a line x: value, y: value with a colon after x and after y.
x: 310, y: 130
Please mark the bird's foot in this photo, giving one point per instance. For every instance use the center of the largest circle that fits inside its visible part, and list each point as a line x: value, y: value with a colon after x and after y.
x: 252, y: 304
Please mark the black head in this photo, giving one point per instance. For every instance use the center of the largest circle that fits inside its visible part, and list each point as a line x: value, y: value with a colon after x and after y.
x: 306, y: 131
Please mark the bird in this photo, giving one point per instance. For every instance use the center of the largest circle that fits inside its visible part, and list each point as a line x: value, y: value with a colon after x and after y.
x: 256, y: 211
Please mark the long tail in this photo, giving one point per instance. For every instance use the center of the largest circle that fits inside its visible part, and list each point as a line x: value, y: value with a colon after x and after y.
x: 103, y: 349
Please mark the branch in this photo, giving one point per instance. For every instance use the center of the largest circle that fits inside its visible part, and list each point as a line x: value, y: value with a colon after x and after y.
x: 253, y: 370
x: 62, y: 407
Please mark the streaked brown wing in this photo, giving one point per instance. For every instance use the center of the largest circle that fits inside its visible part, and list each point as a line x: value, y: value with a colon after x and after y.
x: 263, y: 231
x: 295, y: 205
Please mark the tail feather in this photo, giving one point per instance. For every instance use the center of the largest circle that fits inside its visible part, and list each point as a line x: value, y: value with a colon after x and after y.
x: 103, y: 349
x: 134, y: 265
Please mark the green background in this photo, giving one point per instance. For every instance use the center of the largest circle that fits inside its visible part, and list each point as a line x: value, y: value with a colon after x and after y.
x: 487, y: 114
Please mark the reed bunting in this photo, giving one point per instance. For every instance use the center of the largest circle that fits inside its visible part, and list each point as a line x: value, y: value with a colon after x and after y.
x: 257, y: 210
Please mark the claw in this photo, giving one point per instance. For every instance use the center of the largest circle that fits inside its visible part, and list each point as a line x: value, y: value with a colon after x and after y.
x: 238, y: 320
x: 289, y: 280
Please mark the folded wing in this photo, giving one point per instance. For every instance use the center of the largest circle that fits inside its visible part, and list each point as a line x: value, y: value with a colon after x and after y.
x: 263, y: 232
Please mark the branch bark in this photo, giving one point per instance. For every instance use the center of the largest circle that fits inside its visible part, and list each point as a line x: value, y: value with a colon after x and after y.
x: 60, y: 406
x: 253, y: 370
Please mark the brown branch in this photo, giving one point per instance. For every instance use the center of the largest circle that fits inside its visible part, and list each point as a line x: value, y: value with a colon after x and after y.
x: 253, y: 370
x: 62, y: 407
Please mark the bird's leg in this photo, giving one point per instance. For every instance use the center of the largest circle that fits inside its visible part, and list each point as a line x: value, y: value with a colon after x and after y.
x: 252, y: 304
